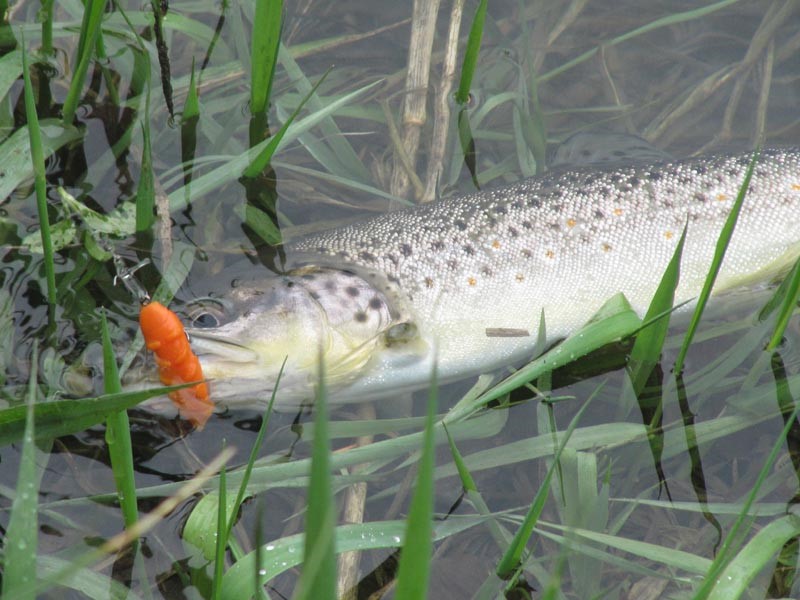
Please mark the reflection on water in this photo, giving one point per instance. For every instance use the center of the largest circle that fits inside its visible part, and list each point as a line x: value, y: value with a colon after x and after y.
x: 686, y: 82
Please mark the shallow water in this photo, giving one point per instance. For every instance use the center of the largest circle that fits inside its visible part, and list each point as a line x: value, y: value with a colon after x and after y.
x: 716, y: 82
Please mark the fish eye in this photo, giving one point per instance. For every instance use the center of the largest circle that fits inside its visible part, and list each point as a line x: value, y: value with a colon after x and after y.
x: 206, y: 314
x: 205, y: 319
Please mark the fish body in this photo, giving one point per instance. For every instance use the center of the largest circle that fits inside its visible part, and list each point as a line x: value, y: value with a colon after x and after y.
x: 464, y: 281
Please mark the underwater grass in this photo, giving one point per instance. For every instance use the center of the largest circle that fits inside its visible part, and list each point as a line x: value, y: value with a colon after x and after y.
x: 37, y: 160
x: 20, y: 542
x: 318, y: 576
x: 118, y: 435
x: 414, y: 569
x: 90, y: 28
x: 266, y: 38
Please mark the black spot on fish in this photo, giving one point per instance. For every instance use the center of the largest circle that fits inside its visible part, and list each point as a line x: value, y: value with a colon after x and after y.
x: 604, y: 191
x: 393, y: 259
x: 556, y: 194
x: 513, y: 232
x: 533, y: 202
x: 615, y: 178
x: 330, y: 286
x: 500, y: 210
x: 654, y: 176
x: 462, y: 226
x: 352, y: 291
x: 527, y: 225
x: 634, y: 181
x: 699, y: 169
x: 599, y: 214
x: 391, y: 278
x: 554, y: 226
x: 368, y: 256
x: 590, y: 180
x: 519, y: 204
x: 314, y: 295
x: 344, y: 254
x: 582, y: 192
x: 452, y: 264
x: 322, y: 249
x: 437, y: 245
x: 308, y: 277
x: 468, y: 249
x: 486, y: 271
x: 375, y: 303
x: 700, y: 197
x: 406, y: 249
x: 290, y: 284
x: 527, y: 253
x: 360, y: 316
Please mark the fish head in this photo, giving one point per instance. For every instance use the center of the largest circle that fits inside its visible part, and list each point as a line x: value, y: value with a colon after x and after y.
x: 309, y: 315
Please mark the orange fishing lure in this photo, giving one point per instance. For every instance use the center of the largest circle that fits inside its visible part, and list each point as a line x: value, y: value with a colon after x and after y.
x: 165, y: 336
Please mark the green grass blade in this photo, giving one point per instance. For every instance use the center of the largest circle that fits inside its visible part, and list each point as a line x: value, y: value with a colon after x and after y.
x: 614, y: 321
x: 262, y: 432
x: 716, y: 264
x: 500, y: 535
x: 347, y: 158
x: 724, y: 559
x: 90, y: 27
x: 262, y: 159
x: 146, y: 191
x: 62, y: 417
x: 318, y: 578
x: 646, y: 351
x: 415, y: 557
x: 283, y: 554
x: 787, y: 306
x: 266, y: 40
x: 471, y: 53
x: 40, y: 181
x: 46, y: 16
x: 757, y: 554
x: 221, y: 538
x: 118, y: 436
x: 669, y: 20
x: 512, y: 557
x: 20, y: 541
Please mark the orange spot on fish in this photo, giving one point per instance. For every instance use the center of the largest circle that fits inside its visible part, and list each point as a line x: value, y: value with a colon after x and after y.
x: 606, y: 247
x: 618, y: 211
x: 571, y: 222
x: 520, y: 277
x: 668, y: 235
x: 495, y: 244
x: 550, y: 254
x: 472, y: 281
x: 722, y: 197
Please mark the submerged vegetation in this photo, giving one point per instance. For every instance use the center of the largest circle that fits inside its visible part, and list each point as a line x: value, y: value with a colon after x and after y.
x: 633, y: 460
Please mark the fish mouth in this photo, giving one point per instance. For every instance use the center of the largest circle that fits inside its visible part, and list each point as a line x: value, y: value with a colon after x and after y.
x: 212, y: 347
